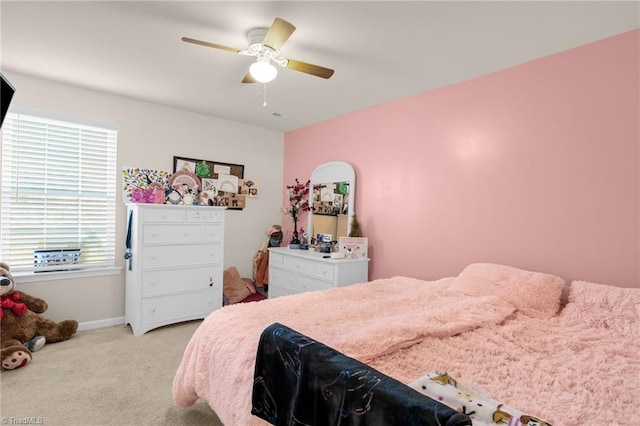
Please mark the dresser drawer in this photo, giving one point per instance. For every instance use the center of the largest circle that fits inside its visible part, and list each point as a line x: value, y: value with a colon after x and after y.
x: 210, y: 233
x: 287, y: 282
x: 163, y: 215
x: 184, y: 234
x: 194, y: 233
x: 316, y: 285
x: 180, y: 233
x: 277, y: 291
x: 155, y: 233
x: 181, y: 255
x: 176, y: 306
x: 276, y: 278
x: 298, y: 265
x: 204, y: 215
x: 164, y: 281
x: 275, y: 259
x: 324, y: 271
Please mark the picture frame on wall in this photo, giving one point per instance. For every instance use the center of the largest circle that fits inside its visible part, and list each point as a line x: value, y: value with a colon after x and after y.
x: 221, y: 181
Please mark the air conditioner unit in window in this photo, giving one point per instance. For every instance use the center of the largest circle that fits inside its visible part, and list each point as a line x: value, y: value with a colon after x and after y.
x: 63, y: 259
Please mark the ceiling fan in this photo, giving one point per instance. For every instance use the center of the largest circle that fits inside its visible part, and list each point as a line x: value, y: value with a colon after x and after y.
x: 264, y: 45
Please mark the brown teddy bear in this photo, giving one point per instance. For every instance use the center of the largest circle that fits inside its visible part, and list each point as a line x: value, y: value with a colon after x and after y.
x: 23, y: 330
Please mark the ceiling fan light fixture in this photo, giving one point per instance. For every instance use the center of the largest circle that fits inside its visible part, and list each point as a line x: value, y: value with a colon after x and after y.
x: 263, y: 71
x: 265, y: 44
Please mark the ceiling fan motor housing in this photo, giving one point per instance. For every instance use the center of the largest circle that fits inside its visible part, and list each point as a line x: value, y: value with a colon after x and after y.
x: 257, y: 35
x: 262, y: 52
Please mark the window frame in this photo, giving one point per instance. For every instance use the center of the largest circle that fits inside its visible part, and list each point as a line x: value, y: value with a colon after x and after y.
x: 110, y: 266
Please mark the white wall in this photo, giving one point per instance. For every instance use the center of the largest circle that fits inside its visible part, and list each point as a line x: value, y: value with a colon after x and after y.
x: 149, y: 136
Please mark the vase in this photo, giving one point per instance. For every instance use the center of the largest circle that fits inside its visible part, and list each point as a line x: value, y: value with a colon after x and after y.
x: 294, y: 239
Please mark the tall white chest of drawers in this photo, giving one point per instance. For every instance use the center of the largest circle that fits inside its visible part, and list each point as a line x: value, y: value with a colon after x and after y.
x: 176, y: 265
x: 298, y: 271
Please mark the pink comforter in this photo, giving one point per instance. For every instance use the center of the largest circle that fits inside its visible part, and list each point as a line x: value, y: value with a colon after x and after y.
x: 557, y: 368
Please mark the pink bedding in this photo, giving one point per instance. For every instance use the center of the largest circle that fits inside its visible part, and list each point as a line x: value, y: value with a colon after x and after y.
x: 560, y: 367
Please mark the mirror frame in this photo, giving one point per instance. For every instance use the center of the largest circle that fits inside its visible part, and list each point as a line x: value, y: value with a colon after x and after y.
x: 333, y: 172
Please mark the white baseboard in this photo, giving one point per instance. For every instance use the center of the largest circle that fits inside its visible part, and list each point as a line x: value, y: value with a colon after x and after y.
x: 90, y: 325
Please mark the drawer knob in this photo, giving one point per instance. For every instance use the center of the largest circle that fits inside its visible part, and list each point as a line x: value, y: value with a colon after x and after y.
x: 210, y: 281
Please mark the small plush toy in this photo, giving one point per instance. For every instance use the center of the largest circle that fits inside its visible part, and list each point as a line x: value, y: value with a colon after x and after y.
x: 479, y: 406
x: 23, y: 330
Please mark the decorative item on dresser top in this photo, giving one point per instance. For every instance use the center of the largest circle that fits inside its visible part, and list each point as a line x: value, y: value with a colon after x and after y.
x: 298, y: 202
x: 299, y: 271
x: 175, y: 264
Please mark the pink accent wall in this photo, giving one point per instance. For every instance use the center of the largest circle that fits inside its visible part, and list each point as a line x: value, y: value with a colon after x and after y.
x: 535, y: 166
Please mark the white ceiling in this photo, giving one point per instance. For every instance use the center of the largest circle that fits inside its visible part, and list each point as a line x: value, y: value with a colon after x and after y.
x: 381, y: 51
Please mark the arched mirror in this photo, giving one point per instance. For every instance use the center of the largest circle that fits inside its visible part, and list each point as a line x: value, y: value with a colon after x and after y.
x: 332, y: 196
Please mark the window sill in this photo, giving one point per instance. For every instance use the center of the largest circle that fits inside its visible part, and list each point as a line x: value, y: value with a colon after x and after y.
x: 30, y: 277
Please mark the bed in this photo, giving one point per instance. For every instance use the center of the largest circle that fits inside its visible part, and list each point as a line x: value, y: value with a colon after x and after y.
x: 568, y: 353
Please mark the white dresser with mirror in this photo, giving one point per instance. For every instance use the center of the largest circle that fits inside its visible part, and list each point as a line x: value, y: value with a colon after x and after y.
x: 293, y: 271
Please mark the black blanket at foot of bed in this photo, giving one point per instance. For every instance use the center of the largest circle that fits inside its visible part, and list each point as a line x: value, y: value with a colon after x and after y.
x: 299, y: 381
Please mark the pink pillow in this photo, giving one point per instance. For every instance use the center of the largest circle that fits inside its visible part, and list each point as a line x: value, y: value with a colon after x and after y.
x: 233, y: 286
x: 604, y: 306
x: 535, y: 294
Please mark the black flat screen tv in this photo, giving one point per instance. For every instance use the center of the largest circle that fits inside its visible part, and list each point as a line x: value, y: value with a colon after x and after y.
x: 5, y: 97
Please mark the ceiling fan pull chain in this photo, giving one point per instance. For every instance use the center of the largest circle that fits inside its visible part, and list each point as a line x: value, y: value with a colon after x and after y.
x: 264, y: 103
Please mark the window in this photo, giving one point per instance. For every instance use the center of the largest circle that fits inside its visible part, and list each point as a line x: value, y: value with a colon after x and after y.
x: 58, y: 198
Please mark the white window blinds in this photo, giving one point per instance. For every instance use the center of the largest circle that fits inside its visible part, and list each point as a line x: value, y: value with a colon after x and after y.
x: 58, y: 194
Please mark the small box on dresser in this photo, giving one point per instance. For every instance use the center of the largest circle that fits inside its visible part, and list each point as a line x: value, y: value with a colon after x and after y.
x: 176, y: 266
x: 298, y: 271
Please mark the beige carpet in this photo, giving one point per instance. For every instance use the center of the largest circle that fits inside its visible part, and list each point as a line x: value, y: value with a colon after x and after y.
x: 104, y: 376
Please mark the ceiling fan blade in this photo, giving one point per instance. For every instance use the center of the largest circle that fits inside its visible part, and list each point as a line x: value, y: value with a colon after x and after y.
x: 316, y: 70
x: 278, y: 33
x: 206, y: 43
x: 248, y: 78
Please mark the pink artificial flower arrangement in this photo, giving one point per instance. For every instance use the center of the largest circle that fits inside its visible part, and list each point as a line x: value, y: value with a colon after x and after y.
x: 298, y: 202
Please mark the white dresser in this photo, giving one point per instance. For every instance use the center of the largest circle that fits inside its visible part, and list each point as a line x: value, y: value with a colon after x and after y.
x: 296, y: 271
x: 176, y: 265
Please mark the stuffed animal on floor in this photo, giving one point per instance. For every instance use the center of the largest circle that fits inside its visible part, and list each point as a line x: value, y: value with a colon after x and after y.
x: 23, y: 330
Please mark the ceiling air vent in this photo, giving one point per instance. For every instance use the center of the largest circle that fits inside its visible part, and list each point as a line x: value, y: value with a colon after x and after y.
x: 281, y: 115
